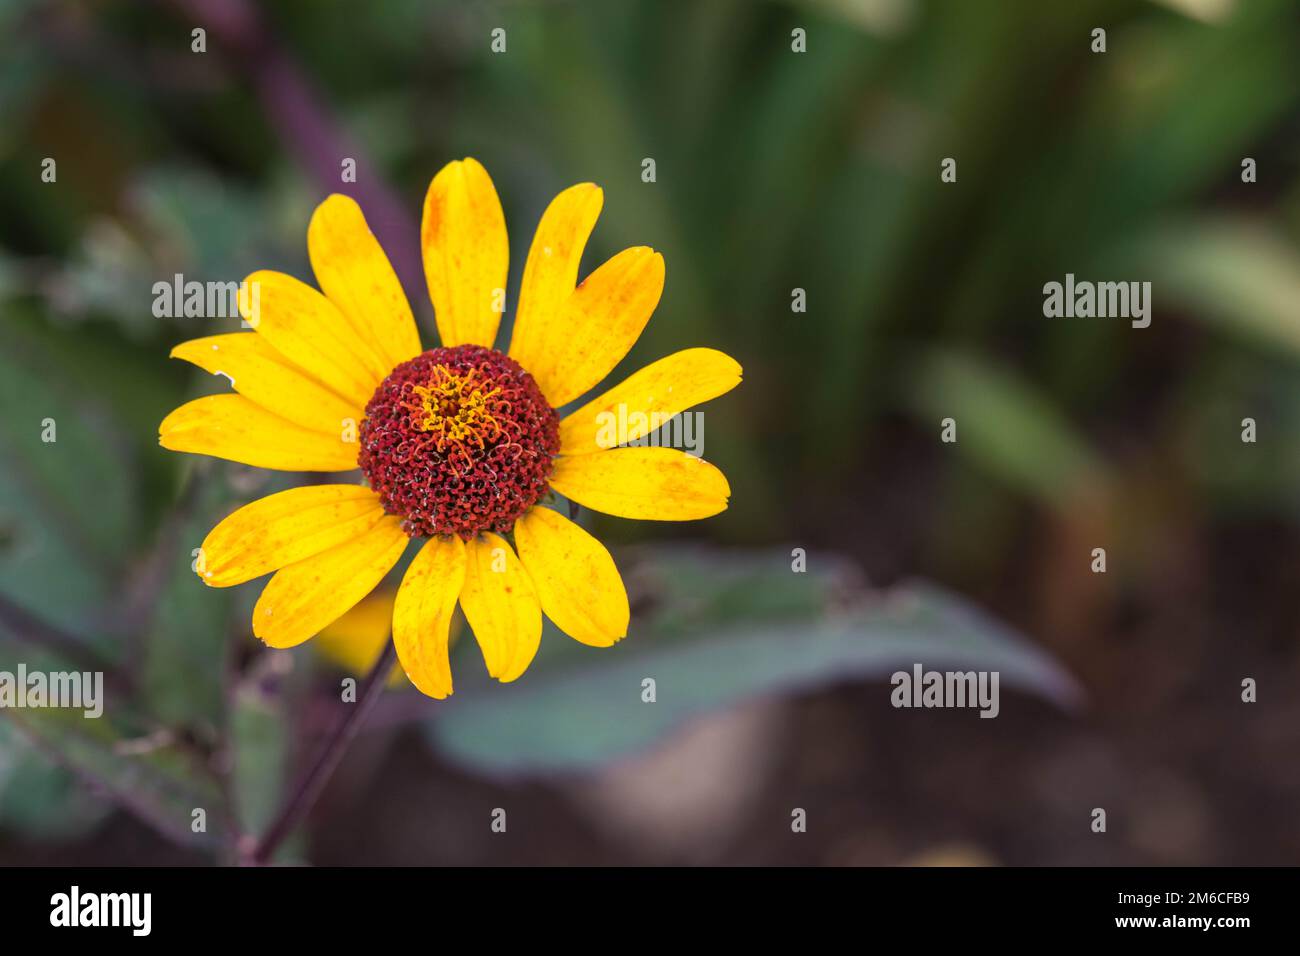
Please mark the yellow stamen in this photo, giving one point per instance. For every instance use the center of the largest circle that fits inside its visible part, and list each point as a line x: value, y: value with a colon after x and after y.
x: 457, y: 407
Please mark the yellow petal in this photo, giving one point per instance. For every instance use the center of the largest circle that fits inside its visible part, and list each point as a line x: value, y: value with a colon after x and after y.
x: 234, y: 428
x: 284, y: 528
x: 303, y: 598
x: 422, y: 615
x: 356, y: 276
x: 501, y: 606
x: 647, y: 399
x: 355, y: 641
x: 466, y: 254
x: 310, y: 331
x: 598, y: 325
x: 552, y: 269
x: 261, y: 374
x: 661, y: 484
x: 575, y: 578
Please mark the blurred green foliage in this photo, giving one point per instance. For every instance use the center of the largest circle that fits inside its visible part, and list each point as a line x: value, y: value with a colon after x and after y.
x: 722, y: 628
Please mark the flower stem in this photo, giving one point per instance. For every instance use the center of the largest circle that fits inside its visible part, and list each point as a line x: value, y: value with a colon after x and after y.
x: 309, y: 787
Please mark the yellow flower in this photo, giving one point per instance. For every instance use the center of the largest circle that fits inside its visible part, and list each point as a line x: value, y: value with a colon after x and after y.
x: 459, y: 445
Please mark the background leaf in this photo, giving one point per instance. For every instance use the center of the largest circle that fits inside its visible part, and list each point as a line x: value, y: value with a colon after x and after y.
x: 60, y: 544
x: 1004, y: 425
x: 141, y: 767
x: 260, y: 733
x: 589, y: 712
x: 39, y: 798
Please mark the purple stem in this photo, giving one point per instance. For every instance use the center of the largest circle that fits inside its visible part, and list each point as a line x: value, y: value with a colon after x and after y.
x: 309, y: 132
x: 308, y: 788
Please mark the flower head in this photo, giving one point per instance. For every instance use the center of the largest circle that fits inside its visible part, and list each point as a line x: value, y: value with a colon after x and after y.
x: 458, y: 441
x: 460, y: 445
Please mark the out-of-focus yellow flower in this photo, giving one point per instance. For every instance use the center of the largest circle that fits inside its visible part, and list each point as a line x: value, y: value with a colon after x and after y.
x: 460, y: 445
x: 354, y: 642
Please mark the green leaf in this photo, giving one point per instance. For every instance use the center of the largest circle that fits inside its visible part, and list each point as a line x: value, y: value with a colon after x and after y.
x: 38, y: 798
x: 260, y: 736
x: 683, y: 590
x: 580, y: 708
x: 181, y: 220
x: 185, y: 658
x: 1242, y: 277
x: 1005, y: 425
x: 60, y: 546
x: 217, y: 223
x: 139, y: 766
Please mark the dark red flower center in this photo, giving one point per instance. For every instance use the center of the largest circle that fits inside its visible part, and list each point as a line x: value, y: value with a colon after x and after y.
x: 458, y: 441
